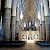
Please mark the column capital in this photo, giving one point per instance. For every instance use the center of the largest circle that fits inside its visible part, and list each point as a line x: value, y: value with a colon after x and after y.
x: 14, y: 8
x: 49, y: 3
x: 45, y: 7
x: 42, y: 13
x: 47, y: 16
x: 8, y: 3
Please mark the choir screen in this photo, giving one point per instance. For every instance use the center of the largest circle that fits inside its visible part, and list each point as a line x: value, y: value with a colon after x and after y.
x: 29, y: 35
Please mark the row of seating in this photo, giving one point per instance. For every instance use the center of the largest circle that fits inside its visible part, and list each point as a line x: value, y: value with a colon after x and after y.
x: 11, y: 43
x: 43, y: 43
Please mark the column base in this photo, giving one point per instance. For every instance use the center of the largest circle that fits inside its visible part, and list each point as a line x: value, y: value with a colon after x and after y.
x: 43, y: 30
x: 47, y: 28
x: 6, y: 23
x: 40, y: 32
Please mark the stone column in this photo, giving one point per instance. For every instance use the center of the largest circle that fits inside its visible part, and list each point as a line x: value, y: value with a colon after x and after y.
x: 0, y: 7
x: 28, y: 25
x: 17, y: 26
x: 47, y: 28
x: 22, y: 25
x: 1, y: 19
x: 46, y: 19
x: 40, y: 29
x: 40, y: 37
x: 33, y: 23
x: 13, y: 19
x: 7, y: 19
x: 49, y: 3
x: 43, y: 22
x: 17, y: 20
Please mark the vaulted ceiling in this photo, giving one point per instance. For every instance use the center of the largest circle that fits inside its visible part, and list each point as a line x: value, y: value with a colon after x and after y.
x: 29, y: 8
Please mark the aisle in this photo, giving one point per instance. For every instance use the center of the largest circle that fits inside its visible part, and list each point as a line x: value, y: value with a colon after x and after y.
x: 28, y: 46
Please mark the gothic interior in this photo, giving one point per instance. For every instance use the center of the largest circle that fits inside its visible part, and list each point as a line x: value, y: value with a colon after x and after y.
x: 25, y: 20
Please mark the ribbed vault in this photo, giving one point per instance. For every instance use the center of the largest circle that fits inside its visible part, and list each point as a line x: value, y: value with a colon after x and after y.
x: 29, y: 9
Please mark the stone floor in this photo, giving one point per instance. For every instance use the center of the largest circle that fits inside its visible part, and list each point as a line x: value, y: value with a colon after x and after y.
x: 27, y: 46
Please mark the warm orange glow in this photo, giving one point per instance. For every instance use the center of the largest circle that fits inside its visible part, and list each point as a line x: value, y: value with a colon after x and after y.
x: 30, y: 36
x: 30, y: 41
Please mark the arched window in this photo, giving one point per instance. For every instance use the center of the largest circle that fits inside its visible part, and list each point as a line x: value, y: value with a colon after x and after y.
x: 21, y: 15
x: 24, y: 24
